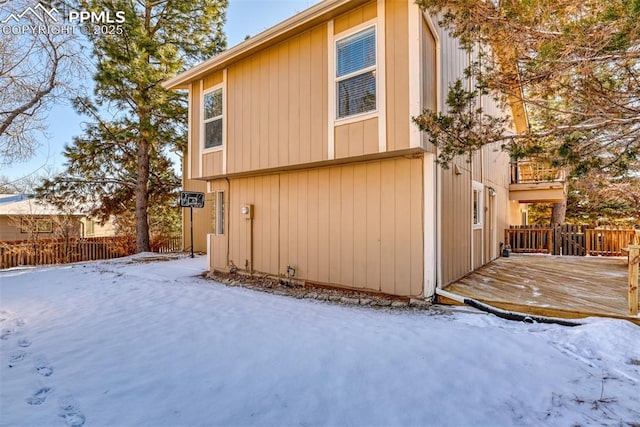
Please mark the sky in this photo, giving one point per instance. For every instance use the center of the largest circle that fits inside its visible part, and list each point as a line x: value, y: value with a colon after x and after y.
x: 244, y: 17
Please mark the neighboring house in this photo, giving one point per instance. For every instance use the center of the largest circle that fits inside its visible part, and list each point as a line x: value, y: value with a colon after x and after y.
x: 23, y: 218
x: 302, y: 138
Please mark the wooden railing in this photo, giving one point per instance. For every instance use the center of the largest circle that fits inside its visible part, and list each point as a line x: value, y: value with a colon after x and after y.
x: 570, y: 239
x: 634, y: 262
x: 530, y: 240
x: 530, y: 171
x: 63, y: 251
x: 608, y: 241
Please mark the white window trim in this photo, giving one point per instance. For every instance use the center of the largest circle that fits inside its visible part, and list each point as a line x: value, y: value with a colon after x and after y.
x: 479, y: 187
x: 204, y: 150
x: 381, y: 95
x: 372, y: 23
x: 220, y: 213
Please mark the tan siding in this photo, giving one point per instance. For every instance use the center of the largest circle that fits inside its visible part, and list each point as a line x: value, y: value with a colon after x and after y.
x: 360, y: 226
x: 335, y: 225
x: 293, y: 145
x: 194, y: 149
x: 429, y: 75
x: 254, y: 113
x: 212, y: 163
x: 346, y: 225
x: 201, y: 218
x: 417, y: 227
x: 324, y: 225
x: 278, y: 105
x: 388, y: 222
x: 304, y: 96
x: 374, y: 225
x: 263, y: 124
x: 355, y: 17
x: 456, y: 222
x: 212, y: 80
x: 318, y: 95
x: 356, y: 139
x: 402, y: 233
x: 218, y: 247
x: 478, y: 249
x: 397, y: 72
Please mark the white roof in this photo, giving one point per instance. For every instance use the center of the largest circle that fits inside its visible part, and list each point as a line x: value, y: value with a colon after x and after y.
x: 23, y: 204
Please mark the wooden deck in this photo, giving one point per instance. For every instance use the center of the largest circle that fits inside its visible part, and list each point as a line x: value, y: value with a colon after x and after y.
x: 565, y: 287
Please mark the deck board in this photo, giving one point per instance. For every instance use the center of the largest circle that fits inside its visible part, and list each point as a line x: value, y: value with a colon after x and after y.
x: 569, y: 287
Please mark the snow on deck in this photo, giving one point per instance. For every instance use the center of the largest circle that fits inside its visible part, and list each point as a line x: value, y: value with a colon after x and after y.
x: 124, y: 343
x: 568, y: 286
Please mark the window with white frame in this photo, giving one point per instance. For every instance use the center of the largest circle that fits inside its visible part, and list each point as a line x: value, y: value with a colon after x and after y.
x: 217, y: 210
x: 477, y: 205
x: 356, y: 73
x: 213, y: 117
x: 220, y: 213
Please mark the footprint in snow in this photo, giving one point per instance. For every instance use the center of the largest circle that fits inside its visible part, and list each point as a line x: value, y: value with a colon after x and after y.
x: 70, y: 412
x: 43, y: 368
x: 39, y: 396
x: 6, y: 334
x: 24, y: 342
x: 16, y: 357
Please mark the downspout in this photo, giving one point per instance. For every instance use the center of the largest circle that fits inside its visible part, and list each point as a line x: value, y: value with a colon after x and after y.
x: 228, y: 212
x: 504, y: 314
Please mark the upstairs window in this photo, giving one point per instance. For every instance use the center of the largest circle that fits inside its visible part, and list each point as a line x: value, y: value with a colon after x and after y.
x: 356, y: 73
x: 213, y: 116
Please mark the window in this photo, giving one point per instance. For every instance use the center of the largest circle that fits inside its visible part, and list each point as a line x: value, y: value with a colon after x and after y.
x: 213, y: 116
x: 217, y: 209
x: 36, y: 225
x: 477, y: 205
x: 91, y: 227
x: 356, y: 73
x: 220, y: 213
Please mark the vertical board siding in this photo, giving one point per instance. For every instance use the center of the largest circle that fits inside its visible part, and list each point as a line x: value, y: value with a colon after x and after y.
x: 456, y: 223
x: 351, y: 225
x: 218, y: 244
x: 196, y: 107
x: 212, y: 163
x: 397, y: 72
x: 355, y: 17
x: 277, y: 105
x: 356, y: 139
x: 212, y: 80
x: 428, y: 75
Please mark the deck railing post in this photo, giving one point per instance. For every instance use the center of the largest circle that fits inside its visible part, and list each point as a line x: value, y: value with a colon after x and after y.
x: 634, y: 261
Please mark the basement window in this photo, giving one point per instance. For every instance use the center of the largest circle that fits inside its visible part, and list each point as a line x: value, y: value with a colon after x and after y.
x: 217, y: 209
x: 356, y: 73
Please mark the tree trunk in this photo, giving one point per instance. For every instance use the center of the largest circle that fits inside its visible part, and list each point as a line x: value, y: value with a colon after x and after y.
x: 142, y: 198
x: 558, y: 213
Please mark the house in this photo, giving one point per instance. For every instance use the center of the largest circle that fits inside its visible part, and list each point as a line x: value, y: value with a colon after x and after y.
x: 23, y: 217
x: 302, y: 139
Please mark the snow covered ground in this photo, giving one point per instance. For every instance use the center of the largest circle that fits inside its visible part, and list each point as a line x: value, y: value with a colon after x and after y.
x: 122, y: 343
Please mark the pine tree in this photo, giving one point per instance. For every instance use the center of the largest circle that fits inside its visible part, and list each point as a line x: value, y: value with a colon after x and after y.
x: 573, y: 65
x: 122, y: 163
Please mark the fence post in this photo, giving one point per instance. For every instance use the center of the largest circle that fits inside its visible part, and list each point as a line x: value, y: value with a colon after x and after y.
x: 634, y: 261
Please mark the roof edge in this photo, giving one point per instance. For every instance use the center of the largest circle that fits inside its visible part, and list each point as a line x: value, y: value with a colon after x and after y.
x: 181, y: 80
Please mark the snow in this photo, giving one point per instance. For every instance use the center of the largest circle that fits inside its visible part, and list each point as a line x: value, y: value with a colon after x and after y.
x: 128, y: 343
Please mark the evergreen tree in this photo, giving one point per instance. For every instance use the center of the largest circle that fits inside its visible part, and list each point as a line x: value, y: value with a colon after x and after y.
x: 574, y: 66
x: 122, y: 163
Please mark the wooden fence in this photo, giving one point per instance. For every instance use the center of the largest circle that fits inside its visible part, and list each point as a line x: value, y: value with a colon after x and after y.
x: 569, y: 239
x: 530, y: 240
x: 63, y: 251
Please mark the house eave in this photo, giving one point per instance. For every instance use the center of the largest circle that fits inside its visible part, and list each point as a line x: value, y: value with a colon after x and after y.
x: 308, y: 18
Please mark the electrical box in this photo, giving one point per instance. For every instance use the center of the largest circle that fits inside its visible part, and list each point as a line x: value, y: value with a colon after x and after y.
x: 247, y: 211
